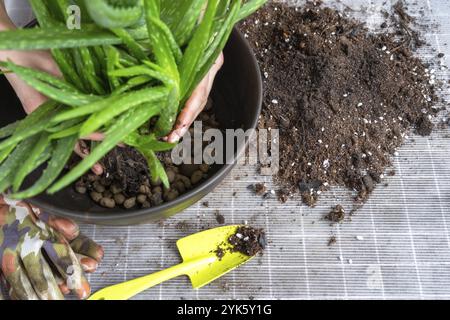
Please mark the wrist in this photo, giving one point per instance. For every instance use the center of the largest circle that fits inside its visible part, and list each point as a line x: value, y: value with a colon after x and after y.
x: 5, y: 21
x: 5, y: 26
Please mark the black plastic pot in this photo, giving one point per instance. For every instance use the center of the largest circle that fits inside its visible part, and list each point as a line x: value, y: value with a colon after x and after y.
x: 237, y: 96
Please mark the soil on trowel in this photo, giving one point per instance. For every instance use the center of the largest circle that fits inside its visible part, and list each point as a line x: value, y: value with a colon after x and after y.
x: 248, y: 241
x: 343, y: 97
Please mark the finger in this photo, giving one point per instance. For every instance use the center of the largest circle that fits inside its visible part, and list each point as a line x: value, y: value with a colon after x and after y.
x: 61, y: 284
x: 83, y: 151
x: 88, y: 264
x: 66, y: 227
x: 41, y: 277
x: 86, y: 246
x: 21, y: 288
x: 214, y: 70
x: 67, y: 264
x: 192, y: 109
x: 196, y: 103
x: 64, y: 288
x: 96, y: 136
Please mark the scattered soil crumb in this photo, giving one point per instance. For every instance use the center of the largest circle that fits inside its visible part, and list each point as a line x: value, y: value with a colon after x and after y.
x: 337, y: 214
x: 225, y: 286
x: 119, y: 241
x: 310, y: 198
x: 283, y: 196
x: 183, y: 226
x: 332, y: 241
x: 260, y: 189
x: 219, y: 217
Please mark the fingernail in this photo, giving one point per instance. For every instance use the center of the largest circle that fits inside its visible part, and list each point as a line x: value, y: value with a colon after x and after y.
x: 97, y: 169
x: 84, y: 291
x: 174, y: 137
x: 178, y: 134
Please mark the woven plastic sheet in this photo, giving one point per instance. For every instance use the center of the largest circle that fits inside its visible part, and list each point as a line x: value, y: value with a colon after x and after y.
x: 397, y: 246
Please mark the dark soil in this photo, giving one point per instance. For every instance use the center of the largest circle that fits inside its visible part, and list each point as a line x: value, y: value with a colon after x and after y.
x: 337, y: 214
x: 220, y: 253
x: 219, y: 217
x: 410, y: 37
x: 183, y: 226
x: 344, y: 98
x: 259, y: 189
x: 127, y: 168
x: 248, y: 241
x: 332, y: 241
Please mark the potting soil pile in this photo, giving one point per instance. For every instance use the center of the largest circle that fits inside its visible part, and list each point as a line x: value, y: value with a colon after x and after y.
x: 344, y: 98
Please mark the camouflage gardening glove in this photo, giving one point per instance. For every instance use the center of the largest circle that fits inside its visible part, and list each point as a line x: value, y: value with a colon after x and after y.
x: 36, y: 259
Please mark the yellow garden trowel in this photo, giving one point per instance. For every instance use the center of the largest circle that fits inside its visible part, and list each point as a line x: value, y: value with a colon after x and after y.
x: 206, y: 257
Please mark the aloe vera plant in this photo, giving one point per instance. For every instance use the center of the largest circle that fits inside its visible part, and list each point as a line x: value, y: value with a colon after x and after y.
x: 131, y: 61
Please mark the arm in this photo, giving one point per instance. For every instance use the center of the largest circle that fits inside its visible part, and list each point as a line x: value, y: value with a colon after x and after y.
x: 5, y: 22
x: 42, y: 60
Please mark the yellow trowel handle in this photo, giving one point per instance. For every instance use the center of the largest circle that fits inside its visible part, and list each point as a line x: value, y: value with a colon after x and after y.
x: 129, y: 289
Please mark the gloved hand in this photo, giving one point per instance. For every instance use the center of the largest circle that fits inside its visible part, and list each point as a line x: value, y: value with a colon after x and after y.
x: 36, y: 259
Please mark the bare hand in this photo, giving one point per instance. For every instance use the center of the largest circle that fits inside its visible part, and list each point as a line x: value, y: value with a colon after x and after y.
x: 196, y: 103
x: 42, y: 60
x: 29, y: 97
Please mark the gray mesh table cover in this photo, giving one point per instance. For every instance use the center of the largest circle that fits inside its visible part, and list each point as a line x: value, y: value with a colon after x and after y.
x: 397, y: 246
